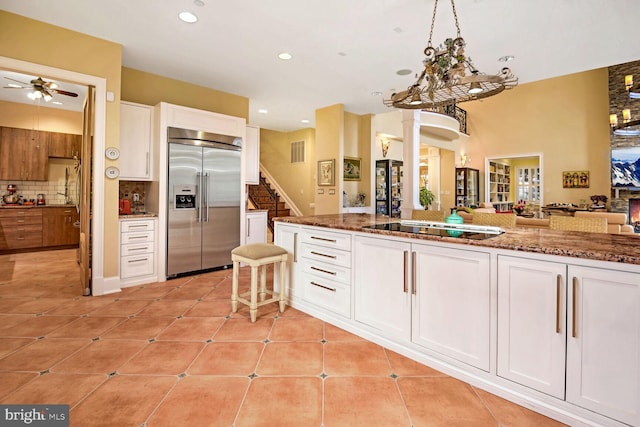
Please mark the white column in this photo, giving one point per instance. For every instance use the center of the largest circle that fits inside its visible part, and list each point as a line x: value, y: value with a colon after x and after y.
x: 410, y: 162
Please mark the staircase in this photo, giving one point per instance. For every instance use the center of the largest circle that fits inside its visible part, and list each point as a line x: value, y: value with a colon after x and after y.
x: 264, y: 197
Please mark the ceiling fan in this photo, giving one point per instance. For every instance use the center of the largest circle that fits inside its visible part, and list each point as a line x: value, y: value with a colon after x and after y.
x: 39, y: 88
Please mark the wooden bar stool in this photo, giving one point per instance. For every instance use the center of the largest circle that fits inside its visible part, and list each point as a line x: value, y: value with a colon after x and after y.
x: 258, y: 255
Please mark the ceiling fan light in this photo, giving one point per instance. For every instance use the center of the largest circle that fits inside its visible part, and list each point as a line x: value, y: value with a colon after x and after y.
x: 47, y: 97
x: 34, y: 95
x: 415, y: 98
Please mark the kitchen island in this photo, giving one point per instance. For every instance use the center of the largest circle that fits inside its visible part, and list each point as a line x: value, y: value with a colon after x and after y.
x: 547, y: 319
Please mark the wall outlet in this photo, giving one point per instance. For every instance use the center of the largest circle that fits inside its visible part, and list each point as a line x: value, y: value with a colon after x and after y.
x: 136, y: 197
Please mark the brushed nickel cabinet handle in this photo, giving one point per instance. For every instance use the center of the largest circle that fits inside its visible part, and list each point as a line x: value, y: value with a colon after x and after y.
x: 574, y: 329
x: 413, y: 273
x: 295, y: 247
x: 323, y: 286
x: 138, y: 260
x: 324, y: 255
x: 323, y: 239
x: 558, y: 292
x: 406, y: 275
x: 323, y: 271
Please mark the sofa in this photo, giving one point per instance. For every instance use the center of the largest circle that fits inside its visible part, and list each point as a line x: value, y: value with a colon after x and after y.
x: 616, y: 221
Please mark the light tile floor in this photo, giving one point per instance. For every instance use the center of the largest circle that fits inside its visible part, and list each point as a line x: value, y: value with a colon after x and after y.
x: 172, y: 354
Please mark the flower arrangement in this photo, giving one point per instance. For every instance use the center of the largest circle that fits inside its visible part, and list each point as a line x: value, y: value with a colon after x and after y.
x: 520, y: 206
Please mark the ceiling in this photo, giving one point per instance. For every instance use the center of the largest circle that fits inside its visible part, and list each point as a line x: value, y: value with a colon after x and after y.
x: 9, y: 93
x: 344, y: 51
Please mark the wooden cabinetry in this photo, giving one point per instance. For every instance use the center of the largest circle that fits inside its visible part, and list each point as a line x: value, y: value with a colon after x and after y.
x: 20, y: 228
x: 251, y: 148
x: 65, y: 145
x: 23, y: 154
x: 582, y: 318
x: 58, y: 226
x: 499, y: 185
x: 137, y: 251
x: 136, y: 121
x: 256, y: 226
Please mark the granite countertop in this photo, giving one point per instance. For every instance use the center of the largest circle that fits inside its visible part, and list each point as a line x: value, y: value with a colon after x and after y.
x: 624, y: 248
x: 139, y: 215
x: 62, y: 205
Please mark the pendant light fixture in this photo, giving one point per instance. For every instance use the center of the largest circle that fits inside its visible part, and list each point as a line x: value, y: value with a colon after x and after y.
x: 449, y: 77
x: 628, y: 127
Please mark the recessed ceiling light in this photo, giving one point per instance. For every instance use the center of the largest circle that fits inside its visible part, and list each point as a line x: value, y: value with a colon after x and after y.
x: 262, y: 111
x: 305, y: 120
x: 403, y: 72
x: 57, y: 102
x: 506, y: 58
x: 342, y: 54
x: 285, y: 56
x: 188, y: 17
x: 199, y: 3
x: 376, y: 93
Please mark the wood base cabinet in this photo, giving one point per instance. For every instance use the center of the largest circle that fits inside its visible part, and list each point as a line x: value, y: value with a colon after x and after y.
x: 286, y: 236
x: 20, y: 228
x: 58, y: 226
x: 572, y: 332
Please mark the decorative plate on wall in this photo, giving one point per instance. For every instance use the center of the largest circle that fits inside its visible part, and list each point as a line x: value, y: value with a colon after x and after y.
x: 112, y: 172
x: 112, y: 153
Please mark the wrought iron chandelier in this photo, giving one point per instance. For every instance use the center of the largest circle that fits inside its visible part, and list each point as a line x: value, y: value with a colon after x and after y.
x: 449, y: 77
x: 628, y: 127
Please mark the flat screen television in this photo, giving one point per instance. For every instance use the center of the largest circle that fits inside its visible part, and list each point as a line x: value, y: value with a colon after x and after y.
x: 625, y: 167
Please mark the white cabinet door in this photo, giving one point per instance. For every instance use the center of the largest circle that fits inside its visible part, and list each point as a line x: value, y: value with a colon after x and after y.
x: 135, y: 141
x: 451, y: 313
x: 382, y: 286
x: 531, y: 323
x: 603, y: 344
x: 252, y: 155
x: 256, y: 227
x: 287, y: 236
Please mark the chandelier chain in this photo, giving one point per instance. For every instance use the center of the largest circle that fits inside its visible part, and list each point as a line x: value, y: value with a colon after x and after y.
x: 433, y: 20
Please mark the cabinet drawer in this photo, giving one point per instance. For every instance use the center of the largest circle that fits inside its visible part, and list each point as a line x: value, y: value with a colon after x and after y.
x: 137, y: 225
x: 327, y: 294
x: 21, y: 237
x: 137, y: 249
x: 327, y: 239
x: 136, y: 237
x: 328, y: 255
x: 136, y: 265
x: 326, y: 271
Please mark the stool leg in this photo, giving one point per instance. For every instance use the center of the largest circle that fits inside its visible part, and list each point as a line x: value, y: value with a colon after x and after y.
x: 283, y: 299
x: 234, y: 287
x: 263, y: 282
x: 253, y: 307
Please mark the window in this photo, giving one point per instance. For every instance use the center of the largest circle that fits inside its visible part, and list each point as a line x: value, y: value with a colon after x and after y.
x: 529, y: 185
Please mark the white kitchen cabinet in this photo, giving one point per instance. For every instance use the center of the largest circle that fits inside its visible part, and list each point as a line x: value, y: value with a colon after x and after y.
x: 325, y: 269
x: 286, y: 236
x: 137, y: 251
x: 603, y: 343
x: 136, y: 145
x: 256, y: 226
x: 252, y: 155
x: 382, y: 288
x: 452, y: 310
x: 531, y: 323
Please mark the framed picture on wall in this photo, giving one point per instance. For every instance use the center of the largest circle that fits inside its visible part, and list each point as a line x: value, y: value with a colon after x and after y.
x: 326, y: 172
x: 351, y: 169
x: 575, y: 179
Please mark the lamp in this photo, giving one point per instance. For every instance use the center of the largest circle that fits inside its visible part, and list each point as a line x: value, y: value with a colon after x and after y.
x: 384, y: 143
x: 449, y: 77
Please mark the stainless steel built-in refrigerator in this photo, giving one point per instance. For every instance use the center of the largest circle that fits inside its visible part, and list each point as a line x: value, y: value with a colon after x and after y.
x: 203, y: 202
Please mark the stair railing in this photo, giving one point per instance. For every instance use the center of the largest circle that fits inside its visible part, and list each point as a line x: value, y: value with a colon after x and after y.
x: 273, y: 197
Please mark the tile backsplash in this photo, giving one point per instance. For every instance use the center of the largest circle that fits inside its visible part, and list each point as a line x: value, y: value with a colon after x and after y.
x: 129, y: 188
x: 53, y: 189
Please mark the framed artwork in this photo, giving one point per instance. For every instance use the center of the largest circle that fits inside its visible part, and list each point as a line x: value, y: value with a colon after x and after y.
x: 326, y: 172
x: 351, y: 169
x: 575, y: 179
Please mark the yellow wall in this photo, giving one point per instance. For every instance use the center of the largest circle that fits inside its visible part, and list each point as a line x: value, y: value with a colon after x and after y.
x: 565, y: 118
x: 29, y: 116
x: 150, y: 89
x: 297, y: 180
x: 329, y: 145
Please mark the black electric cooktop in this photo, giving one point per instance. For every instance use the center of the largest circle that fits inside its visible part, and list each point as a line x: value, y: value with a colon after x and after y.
x: 462, y: 231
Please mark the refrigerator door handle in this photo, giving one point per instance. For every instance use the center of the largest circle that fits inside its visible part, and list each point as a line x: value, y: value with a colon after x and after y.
x: 199, y: 189
x: 206, y: 196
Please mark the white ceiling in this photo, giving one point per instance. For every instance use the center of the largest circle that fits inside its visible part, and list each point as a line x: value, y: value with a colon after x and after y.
x: 343, y: 50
